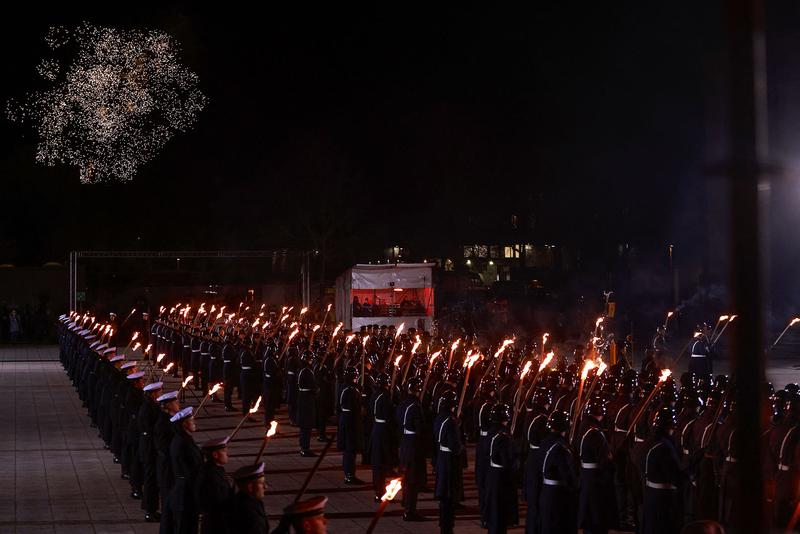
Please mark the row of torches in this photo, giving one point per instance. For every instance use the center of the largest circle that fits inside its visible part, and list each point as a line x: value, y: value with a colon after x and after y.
x: 469, y: 361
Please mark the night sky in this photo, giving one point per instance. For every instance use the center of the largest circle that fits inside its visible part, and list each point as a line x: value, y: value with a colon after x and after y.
x: 408, y: 123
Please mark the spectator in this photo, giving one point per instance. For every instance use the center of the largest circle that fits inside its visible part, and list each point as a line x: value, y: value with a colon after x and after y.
x: 356, y: 307
x: 366, y: 308
x: 14, y: 328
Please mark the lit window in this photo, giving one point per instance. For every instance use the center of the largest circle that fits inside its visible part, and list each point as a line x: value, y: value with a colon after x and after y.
x: 510, y: 252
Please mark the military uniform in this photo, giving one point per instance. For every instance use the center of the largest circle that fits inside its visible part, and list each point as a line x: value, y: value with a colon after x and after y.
x: 559, y: 490
x: 212, y: 492
x: 185, y: 459
x: 597, y: 508
x: 412, y: 456
x: 449, y: 479
x: 662, y: 513
x: 248, y: 378
x: 306, y: 416
x: 383, y: 450
x: 230, y: 374
x: 347, y: 438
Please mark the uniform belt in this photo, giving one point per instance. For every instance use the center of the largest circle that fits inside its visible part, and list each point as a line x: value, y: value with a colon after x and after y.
x: 267, y: 376
x: 496, y: 466
x: 203, y: 354
x: 551, y: 482
x: 484, y: 433
x: 442, y: 448
x: 246, y: 368
x: 784, y: 467
x: 343, y: 409
x: 380, y: 420
x: 213, y: 357
x: 637, y: 439
x: 408, y: 432
x: 731, y: 459
x: 195, y: 350
x: 590, y: 465
x: 685, y: 451
x: 305, y: 390
x: 660, y: 485
x: 226, y: 361
x: 144, y: 433
x: 290, y: 372
x: 186, y: 346
x: 618, y: 429
x: 699, y: 356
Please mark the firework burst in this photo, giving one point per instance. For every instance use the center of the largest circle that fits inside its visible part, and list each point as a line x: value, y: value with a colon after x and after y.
x: 113, y: 99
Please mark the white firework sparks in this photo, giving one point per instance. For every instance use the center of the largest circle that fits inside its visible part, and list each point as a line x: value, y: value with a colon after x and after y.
x: 113, y: 104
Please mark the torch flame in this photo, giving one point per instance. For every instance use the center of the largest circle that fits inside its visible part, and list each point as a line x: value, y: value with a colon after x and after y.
x: 188, y: 379
x: 316, y: 327
x: 215, y: 388
x: 723, y: 318
x: 472, y: 360
x: 546, y: 361
x: 304, y: 310
x: 284, y: 318
x: 135, y: 337
x: 364, y: 341
x: 795, y: 321
x: 349, y: 338
x: 329, y: 307
x: 294, y: 333
x: 454, y: 346
x: 525, y: 370
x: 160, y: 357
x: 416, y: 346
x: 136, y: 347
x: 588, y: 366
x: 391, y: 489
x: 732, y: 318
x: 505, y: 344
x: 273, y: 427
x: 544, y: 338
x: 670, y: 314
x: 698, y: 334
x: 598, y: 321
x: 147, y: 349
x: 434, y: 356
x: 169, y: 367
x: 397, y: 360
x: 399, y: 330
x: 336, y: 330
x: 255, y: 323
x: 600, y: 368
x: 664, y: 375
x: 254, y: 409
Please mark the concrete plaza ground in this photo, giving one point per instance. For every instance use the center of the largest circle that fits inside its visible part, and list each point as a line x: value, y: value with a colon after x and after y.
x: 56, y: 477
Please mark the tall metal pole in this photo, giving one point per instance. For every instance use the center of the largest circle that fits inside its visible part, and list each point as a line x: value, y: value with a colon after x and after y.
x: 73, y: 296
x: 747, y: 148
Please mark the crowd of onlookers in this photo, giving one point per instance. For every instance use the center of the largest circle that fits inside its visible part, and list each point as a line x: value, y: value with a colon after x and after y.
x: 407, y: 307
x: 26, y: 324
